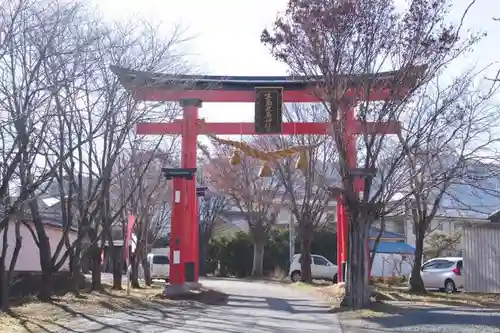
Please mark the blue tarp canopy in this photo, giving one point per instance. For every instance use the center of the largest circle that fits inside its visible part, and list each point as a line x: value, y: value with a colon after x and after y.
x: 374, y: 232
x: 393, y: 247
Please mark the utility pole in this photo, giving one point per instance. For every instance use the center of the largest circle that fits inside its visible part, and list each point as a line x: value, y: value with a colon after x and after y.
x: 291, y: 238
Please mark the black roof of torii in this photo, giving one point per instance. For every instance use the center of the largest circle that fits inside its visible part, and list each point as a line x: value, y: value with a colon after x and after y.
x: 133, y: 78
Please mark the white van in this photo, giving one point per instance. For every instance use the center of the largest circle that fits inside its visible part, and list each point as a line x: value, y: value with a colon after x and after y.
x: 159, y: 266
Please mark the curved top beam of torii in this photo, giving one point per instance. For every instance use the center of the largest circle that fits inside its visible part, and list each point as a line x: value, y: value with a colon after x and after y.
x: 239, y: 89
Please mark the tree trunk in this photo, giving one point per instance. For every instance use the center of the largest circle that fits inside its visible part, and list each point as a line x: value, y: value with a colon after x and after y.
x: 117, y: 258
x: 416, y: 282
x: 6, y: 271
x: 45, y: 293
x: 258, y: 259
x: 357, y: 291
x: 4, y: 281
x: 4, y: 287
x: 76, y: 269
x: 95, y: 261
x: 305, y: 256
x: 147, y: 272
x: 204, y: 231
x: 202, y: 259
x: 134, y: 272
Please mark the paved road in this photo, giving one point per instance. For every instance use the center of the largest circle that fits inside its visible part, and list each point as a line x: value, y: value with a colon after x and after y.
x: 272, y: 308
x: 252, y: 307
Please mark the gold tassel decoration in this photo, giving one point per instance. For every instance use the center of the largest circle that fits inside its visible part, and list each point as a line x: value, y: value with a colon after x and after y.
x: 265, y: 170
x: 301, y: 163
x: 235, y: 158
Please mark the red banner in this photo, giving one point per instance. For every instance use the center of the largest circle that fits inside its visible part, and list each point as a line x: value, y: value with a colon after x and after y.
x: 130, y: 227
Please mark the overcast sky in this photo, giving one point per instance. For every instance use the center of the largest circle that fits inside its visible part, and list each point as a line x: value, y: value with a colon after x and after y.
x: 226, y: 37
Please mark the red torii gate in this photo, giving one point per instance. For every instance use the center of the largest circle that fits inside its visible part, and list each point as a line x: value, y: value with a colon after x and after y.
x: 192, y: 90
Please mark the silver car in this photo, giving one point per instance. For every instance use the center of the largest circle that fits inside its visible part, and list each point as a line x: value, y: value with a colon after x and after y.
x: 443, y: 274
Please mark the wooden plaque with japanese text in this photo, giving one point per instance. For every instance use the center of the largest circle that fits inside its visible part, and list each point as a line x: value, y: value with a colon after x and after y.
x: 268, y: 110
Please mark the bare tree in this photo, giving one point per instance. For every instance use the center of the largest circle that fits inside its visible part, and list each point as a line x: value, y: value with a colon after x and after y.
x: 34, y: 32
x: 141, y: 187
x: 258, y: 198
x: 449, y: 130
x: 438, y: 241
x: 96, y: 115
x: 392, y: 179
x: 10, y: 161
x: 346, y: 45
x: 306, y: 192
x: 210, y: 208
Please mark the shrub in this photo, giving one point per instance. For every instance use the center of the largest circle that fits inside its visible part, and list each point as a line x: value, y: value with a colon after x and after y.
x: 234, y: 256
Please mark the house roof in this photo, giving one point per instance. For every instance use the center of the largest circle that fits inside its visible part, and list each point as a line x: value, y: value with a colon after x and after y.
x: 495, y: 216
x: 54, y: 222
x: 393, y: 247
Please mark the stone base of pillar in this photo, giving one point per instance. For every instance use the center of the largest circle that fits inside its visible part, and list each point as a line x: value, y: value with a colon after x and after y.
x: 194, y: 285
x: 176, y: 289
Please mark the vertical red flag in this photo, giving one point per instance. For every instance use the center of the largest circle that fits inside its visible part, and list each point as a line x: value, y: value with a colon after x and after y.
x: 130, y: 227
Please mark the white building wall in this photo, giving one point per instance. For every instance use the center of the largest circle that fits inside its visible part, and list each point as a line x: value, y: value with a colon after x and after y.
x: 392, y: 224
x: 391, y: 264
x: 29, y: 259
x: 446, y: 224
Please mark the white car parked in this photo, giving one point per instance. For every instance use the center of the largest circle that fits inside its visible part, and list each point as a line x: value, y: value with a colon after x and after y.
x: 321, y: 268
x: 443, y: 273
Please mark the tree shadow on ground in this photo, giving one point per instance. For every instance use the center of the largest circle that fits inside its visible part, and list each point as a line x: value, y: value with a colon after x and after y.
x: 222, y: 312
x: 398, y: 315
x: 157, y: 311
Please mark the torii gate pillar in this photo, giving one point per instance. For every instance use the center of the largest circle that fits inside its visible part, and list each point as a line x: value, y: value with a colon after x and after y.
x: 189, y: 134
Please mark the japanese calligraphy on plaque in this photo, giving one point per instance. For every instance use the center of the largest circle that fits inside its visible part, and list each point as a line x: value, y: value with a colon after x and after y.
x: 268, y: 110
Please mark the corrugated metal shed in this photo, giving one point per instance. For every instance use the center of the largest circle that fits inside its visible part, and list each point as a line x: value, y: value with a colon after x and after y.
x: 482, y: 257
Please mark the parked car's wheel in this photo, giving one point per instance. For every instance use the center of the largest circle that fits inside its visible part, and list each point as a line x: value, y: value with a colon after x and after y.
x: 335, y: 278
x: 295, y: 276
x: 449, y: 286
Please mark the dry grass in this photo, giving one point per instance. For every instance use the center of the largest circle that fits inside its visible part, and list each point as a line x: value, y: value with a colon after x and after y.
x: 328, y: 291
x: 392, y: 292
x: 35, y: 316
x: 385, y: 292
